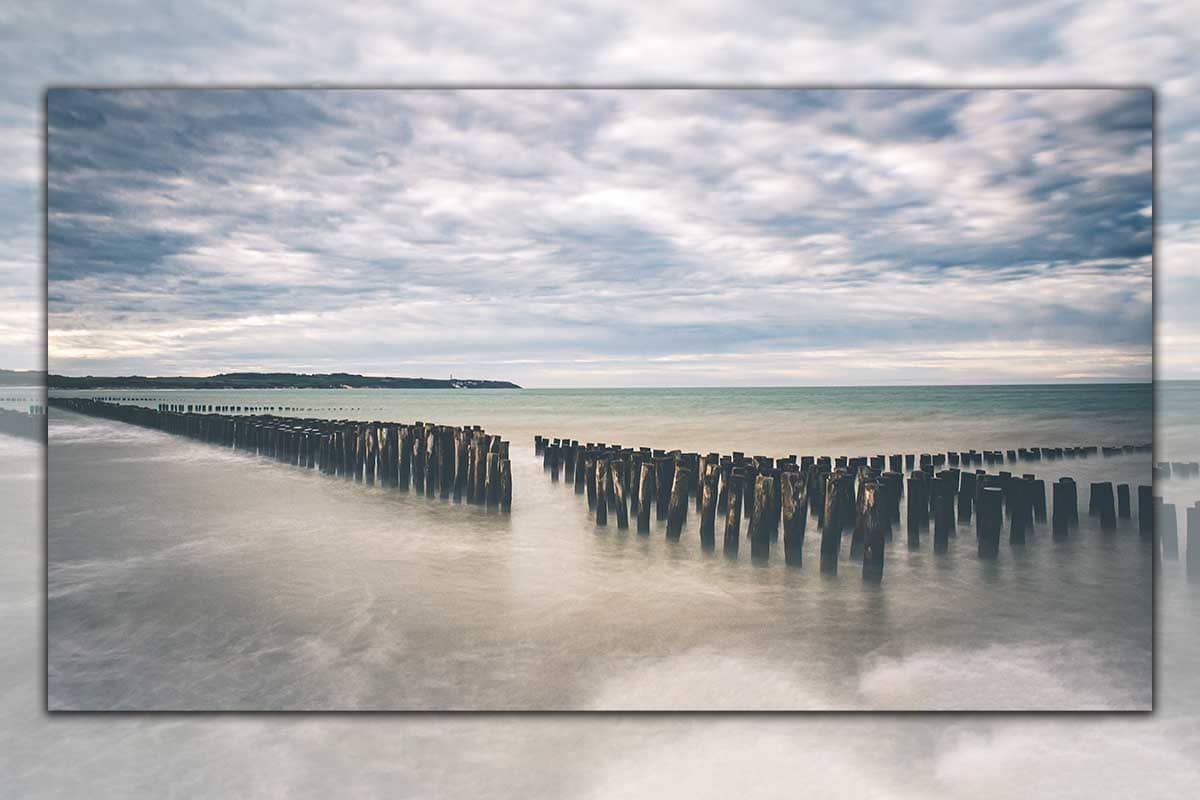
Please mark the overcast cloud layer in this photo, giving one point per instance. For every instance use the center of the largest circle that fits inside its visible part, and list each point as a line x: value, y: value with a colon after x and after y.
x: 1045, y: 43
x: 604, y: 237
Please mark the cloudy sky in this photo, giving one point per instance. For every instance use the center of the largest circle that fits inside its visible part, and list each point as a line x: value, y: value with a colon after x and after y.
x: 1047, y: 43
x: 604, y: 237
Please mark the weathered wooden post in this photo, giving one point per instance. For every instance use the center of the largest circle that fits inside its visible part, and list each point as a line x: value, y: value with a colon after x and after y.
x: 372, y: 445
x: 733, y: 514
x: 893, y: 482
x: 462, y: 462
x: 391, y: 451
x: 1103, y: 502
x: 917, y: 511
x: 1169, y: 534
x: 839, y: 493
x: 990, y: 519
x: 1123, y: 501
x: 418, y: 458
x: 505, y: 485
x: 966, y: 495
x: 708, y: 503
x: 480, y: 464
x: 750, y: 482
x: 404, y: 473
x: 580, y: 471
x: 447, y: 453
x: 1060, y: 522
x: 794, y: 493
x: 646, y: 491
x: 1038, y: 496
x: 617, y: 477
x: 601, y: 482
x: 875, y: 533
x: 492, y: 481
x: 1193, y: 544
x: 432, y: 457
x: 1018, y: 503
x: 943, y: 514
x: 760, y: 517
x: 590, y: 458
x: 817, y: 480
x: 1072, y: 496
x: 677, y: 508
x: 665, y: 482
x: 1146, y: 511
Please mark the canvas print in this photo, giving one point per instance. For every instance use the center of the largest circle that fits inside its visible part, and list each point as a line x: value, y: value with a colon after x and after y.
x: 581, y: 399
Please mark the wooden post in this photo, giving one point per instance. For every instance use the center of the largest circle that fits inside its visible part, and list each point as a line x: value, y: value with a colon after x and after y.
x: 447, y: 455
x: 590, y: 478
x: 874, y: 535
x: 990, y: 515
x: 580, y: 471
x: 1123, y: 501
x: 1019, y: 504
x: 505, y: 485
x: 645, y: 491
x: 760, y: 517
x: 1146, y: 511
x: 839, y: 493
x: 372, y: 445
x: 1193, y: 544
x: 404, y: 474
x: 943, y: 514
x: 665, y: 482
x: 480, y: 464
x: 1060, y: 522
x: 601, y: 483
x: 491, y: 484
x: 432, y: 455
x: 794, y: 492
x: 966, y: 495
x: 617, y: 477
x: 418, y: 458
x: 708, y: 503
x: 838, y: 486
x: 1038, y: 490
x: 677, y: 509
x: 733, y: 514
x: 1169, y: 520
x: 1103, y: 502
x: 817, y: 480
x: 917, y: 512
x: 462, y: 462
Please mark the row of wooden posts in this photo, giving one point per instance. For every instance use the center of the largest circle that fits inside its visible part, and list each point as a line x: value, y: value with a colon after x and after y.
x: 1176, y: 469
x: 862, y: 494
x: 31, y: 425
x: 209, y: 408
x: 463, y: 463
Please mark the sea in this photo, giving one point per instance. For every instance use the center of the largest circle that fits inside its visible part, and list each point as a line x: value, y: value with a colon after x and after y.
x: 185, y: 576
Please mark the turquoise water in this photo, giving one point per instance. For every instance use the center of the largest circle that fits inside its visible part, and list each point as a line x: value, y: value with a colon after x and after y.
x: 770, y: 421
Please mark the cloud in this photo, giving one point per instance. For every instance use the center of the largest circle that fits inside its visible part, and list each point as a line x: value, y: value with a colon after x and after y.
x: 988, y: 44
x: 650, y: 231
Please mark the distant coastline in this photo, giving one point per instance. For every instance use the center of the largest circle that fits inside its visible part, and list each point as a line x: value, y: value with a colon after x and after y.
x: 271, y: 380
x: 22, y: 377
